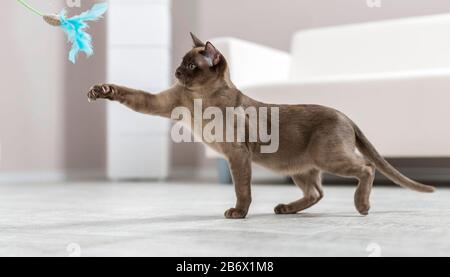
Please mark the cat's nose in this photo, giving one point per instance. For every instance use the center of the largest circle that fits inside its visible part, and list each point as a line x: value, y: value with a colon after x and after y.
x: 178, y: 73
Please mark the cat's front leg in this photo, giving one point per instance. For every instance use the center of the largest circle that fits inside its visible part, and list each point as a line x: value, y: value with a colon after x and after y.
x: 160, y: 104
x: 104, y: 91
x: 136, y: 100
x: 241, y: 171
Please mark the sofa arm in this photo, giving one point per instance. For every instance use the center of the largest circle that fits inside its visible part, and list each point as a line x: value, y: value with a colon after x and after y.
x: 253, y: 64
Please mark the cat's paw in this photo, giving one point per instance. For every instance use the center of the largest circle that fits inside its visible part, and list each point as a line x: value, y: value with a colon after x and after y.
x: 233, y: 213
x: 362, y: 203
x: 363, y: 208
x: 283, y: 209
x: 101, y: 91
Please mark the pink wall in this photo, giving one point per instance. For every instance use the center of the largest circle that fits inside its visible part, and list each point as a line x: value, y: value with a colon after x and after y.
x: 46, y: 124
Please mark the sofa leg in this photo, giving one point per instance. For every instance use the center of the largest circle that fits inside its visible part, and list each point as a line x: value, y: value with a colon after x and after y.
x: 224, y: 172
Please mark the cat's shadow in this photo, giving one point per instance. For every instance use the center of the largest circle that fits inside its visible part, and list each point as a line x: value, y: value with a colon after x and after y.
x: 304, y: 215
x: 189, y: 218
x: 197, y: 218
x: 250, y: 217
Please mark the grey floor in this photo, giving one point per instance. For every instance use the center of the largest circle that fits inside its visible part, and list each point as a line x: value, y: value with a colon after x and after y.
x: 154, y: 219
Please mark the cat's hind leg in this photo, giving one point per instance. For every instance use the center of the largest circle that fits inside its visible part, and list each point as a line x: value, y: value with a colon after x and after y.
x: 311, y: 185
x: 352, y: 165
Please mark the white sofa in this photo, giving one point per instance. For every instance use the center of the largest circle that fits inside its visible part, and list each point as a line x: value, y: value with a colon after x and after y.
x: 391, y: 77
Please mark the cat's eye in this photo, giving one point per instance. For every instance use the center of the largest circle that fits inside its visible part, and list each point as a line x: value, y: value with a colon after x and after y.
x: 192, y: 66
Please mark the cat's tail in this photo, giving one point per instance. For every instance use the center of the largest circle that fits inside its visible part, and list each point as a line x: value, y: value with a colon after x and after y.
x: 369, y: 151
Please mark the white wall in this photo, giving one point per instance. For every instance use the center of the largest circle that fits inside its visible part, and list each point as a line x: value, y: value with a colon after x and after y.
x: 138, y: 144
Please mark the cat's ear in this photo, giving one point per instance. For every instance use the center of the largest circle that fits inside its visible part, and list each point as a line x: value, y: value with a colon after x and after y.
x: 212, y: 55
x: 197, y: 42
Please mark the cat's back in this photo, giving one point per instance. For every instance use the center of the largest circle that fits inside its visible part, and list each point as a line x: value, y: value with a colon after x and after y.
x: 309, y: 114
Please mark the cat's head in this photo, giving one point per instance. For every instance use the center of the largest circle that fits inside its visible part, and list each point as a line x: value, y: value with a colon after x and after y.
x: 202, y: 65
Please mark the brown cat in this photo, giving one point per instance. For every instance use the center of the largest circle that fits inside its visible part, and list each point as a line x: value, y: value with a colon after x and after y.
x: 313, y: 139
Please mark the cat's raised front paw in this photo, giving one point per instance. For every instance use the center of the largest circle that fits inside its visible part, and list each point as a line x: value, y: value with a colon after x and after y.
x: 101, y: 91
x: 233, y: 213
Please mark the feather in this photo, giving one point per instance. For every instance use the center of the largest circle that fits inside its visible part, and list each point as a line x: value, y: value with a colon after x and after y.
x: 75, y: 27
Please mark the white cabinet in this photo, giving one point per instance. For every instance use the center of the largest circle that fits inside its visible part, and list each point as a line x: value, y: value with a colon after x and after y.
x: 139, y: 57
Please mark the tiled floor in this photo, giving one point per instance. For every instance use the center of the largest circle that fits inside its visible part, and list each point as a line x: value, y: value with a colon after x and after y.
x: 153, y: 219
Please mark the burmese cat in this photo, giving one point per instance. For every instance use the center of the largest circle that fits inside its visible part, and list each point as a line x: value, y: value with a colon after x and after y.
x: 313, y: 139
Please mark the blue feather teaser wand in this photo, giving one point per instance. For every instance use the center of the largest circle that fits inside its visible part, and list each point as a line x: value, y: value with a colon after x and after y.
x: 74, y: 27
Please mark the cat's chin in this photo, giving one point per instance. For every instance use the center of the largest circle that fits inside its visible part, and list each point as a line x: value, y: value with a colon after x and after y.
x: 181, y: 83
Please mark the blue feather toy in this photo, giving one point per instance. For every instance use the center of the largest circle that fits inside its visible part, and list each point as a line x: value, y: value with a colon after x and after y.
x: 74, y: 27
